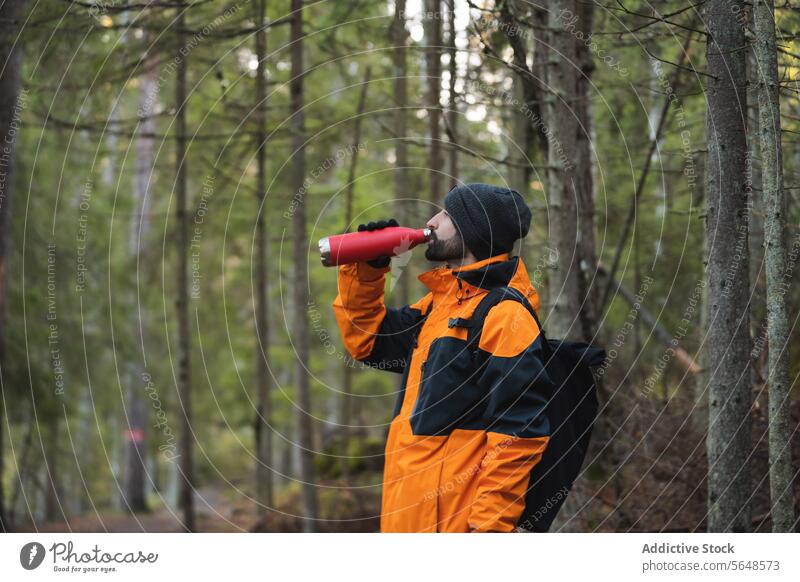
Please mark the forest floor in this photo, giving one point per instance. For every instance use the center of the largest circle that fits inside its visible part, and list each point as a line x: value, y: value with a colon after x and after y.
x: 214, y: 513
x: 353, y: 509
x: 666, y: 496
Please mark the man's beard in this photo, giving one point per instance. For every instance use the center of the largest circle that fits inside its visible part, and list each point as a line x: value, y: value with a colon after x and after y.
x: 446, y: 250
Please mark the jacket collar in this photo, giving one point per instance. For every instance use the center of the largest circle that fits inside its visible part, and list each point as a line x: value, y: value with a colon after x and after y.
x: 486, y: 274
x: 497, y: 271
x: 500, y: 270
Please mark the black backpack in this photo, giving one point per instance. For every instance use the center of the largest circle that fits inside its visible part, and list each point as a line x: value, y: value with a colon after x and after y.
x: 571, y: 411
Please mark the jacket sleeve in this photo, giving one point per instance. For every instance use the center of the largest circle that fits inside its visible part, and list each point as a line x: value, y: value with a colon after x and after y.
x: 517, y: 430
x: 373, y: 333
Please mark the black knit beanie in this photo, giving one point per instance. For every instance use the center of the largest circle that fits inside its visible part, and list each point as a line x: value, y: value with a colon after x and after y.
x: 489, y: 218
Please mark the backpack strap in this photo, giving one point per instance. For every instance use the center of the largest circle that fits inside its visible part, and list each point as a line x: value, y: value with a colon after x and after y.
x: 474, y: 324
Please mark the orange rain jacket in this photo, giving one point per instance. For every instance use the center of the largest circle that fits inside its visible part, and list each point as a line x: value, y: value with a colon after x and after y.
x: 461, y: 443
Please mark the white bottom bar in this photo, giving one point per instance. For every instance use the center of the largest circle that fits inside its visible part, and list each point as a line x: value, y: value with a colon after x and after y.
x: 407, y: 558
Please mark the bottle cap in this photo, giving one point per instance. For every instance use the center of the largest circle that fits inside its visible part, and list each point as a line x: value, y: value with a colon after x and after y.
x: 325, y: 251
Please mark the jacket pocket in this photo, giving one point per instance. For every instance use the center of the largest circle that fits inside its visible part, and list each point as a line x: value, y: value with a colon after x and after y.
x: 448, y: 395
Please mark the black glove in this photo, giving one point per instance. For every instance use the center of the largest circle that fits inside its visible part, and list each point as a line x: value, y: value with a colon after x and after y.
x: 383, y: 261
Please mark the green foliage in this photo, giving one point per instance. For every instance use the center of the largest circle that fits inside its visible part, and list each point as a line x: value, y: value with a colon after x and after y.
x: 76, y: 169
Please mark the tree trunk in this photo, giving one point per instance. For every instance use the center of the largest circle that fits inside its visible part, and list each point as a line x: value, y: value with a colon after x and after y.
x: 52, y: 455
x: 758, y: 297
x: 701, y: 413
x: 11, y: 13
x: 526, y: 118
x: 345, y: 408
x: 401, y: 188
x: 264, y: 484
x: 584, y: 181
x: 186, y: 494
x: 433, y: 71
x: 536, y: 246
x: 519, y: 170
x: 564, y: 289
x: 136, y: 449
x: 351, y: 172
x: 584, y: 264
x: 728, y: 337
x: 452, y: 106
x: 522, y: 92
x: 301, y: 332
x: 781, y: 472
x: 23, y: 471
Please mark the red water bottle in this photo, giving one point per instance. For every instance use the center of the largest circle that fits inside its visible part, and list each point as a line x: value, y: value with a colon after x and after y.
x: 366, y: 245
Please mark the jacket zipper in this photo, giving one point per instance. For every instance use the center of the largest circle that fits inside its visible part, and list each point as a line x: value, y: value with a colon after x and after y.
x: 419, y: 389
